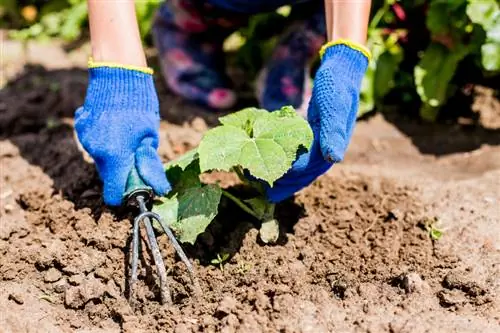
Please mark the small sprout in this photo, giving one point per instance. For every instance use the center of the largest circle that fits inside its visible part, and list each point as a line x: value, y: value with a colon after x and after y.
x: 435, y: 233
x: 47, y: 298
x: 220, y: 260
x: 430, y: 225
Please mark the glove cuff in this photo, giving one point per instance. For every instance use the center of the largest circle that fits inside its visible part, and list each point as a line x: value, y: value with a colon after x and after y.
x: 117, y: 87
x: 145, y: 70
x: 363, y: 50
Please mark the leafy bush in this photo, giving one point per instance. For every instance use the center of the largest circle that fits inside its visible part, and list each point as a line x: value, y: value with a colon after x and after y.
x: 65, y: 19
x: 453, y: 31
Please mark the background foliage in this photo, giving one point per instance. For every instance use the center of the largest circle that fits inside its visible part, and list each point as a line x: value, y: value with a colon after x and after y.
x: 419, y: 46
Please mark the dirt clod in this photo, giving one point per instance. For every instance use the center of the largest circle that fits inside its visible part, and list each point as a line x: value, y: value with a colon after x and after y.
x: 460, y: 280
x: 76, y: 297
x: 452, y: 297
x: 76, y: 280
x: 226, y: 306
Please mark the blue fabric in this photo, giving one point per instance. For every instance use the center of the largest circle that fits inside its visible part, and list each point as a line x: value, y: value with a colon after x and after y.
x: 118, y: 126
x: 332, y: 116
x: 255, y: 6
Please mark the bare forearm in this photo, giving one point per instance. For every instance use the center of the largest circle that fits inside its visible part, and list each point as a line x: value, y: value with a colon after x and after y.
x: 347, y: 19
x: 114, y: 32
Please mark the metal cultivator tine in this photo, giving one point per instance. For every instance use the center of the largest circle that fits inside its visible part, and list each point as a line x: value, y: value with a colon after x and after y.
x: 166, y: 297
x: 146, y: 217
x: 180, y: 252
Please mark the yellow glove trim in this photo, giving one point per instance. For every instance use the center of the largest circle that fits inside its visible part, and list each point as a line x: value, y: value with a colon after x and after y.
x: 146, y: 70
x: 355, y: 46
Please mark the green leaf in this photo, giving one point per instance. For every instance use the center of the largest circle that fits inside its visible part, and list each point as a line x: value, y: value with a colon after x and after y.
x: 493, y: 34
x: 387, y: 67
x: 184, y: 160
x: 197, y: 208
x: 433, y: 74
x: 490, y: 56
x: 221, y: 148
x: 71, y: 28
x: 191, y: 206
x: 184, y: 179
x: 435, y: 234
x: 264, y: 143
x: 243, y: 119
x: 437, y: 18
x: 190, y: 212
x: 167, y: 208
x: 483, y: 12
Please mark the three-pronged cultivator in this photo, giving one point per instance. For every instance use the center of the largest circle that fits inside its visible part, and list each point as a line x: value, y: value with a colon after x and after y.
x: 139, y: 195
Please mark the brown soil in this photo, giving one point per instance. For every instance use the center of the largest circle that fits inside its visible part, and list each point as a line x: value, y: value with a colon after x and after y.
x: 354, y: 255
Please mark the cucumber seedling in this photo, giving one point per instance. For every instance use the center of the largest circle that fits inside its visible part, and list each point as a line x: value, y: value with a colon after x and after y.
x: 259, y: 146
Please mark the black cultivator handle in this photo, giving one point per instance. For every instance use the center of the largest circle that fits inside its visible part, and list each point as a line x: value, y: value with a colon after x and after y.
x: 135, y: 187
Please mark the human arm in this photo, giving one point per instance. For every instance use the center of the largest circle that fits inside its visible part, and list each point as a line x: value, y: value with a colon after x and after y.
x: 347, y: 20
x: 119, y: 121
x: 114, y: 33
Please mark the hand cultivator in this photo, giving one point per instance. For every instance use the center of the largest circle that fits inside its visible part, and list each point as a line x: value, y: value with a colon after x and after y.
x: 139, y: 195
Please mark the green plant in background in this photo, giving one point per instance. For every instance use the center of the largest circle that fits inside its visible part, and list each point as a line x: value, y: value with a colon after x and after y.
x: 457, y: 28
x: 64, y: 19
x: 387, y: 55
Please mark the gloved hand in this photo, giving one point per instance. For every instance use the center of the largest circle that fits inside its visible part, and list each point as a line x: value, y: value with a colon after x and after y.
x: 118, y: 126
x: 331, y: 115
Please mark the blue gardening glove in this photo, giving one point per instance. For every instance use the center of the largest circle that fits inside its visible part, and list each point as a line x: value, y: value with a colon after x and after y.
x: 118, y: 126
x: 332, y: 115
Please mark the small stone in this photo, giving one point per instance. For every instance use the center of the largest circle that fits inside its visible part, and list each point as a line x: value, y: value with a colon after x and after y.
x: 76, y: 280
x: 8, y: 208
x: 52, y: 275
x: 269, y: 231
x: 412, y: 282
x: 339, y: 285
x: 18, y: 298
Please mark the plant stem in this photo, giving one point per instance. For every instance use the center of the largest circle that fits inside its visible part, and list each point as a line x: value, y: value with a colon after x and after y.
x: 379, y: 15
x: 240, y: 203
